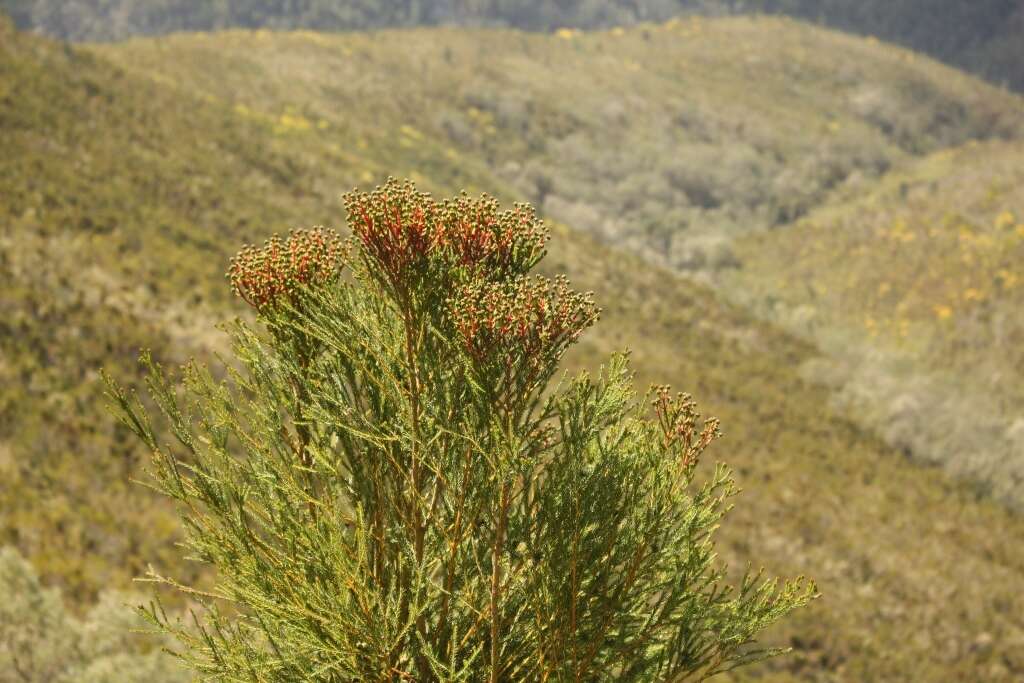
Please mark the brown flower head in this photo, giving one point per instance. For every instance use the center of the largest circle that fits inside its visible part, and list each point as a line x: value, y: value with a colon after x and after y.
x: 397, y: 228
x: 495, y: 244
x: 677, y: 416
x: 275, y: 273
x: 529, y: 320
x: 408, y: 238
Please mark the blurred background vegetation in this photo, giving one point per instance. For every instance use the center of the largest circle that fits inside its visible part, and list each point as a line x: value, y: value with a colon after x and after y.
x: 818, y: 235
x: 982, y: 36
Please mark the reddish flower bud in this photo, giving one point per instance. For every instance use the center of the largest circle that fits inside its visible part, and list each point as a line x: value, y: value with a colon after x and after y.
x: 531, y: 320
x: 269, y: 275
x: 406, y: 235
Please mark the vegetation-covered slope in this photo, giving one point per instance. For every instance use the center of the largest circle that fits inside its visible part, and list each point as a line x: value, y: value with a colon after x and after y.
x: 914, y: 286
x: 42, y: 640
x: 124, y: 190
x: 983, y: 36
x: 665, y: 139
x: 670, y: 141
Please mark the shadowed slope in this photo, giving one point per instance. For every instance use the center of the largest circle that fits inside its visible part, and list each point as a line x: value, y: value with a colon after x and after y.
x: 982, y: 36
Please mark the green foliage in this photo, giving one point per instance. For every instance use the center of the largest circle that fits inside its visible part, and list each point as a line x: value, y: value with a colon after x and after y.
x: 41, y: 641
x: 391, y: 487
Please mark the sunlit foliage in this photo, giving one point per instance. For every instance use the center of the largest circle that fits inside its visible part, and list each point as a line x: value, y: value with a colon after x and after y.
x: 395, y: 486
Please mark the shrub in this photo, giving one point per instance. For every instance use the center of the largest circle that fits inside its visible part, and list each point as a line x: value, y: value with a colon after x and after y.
x: 393, y: 485
x: 41, y: 641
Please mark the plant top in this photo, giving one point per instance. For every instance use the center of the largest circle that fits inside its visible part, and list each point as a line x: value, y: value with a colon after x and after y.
x: 392, y: 487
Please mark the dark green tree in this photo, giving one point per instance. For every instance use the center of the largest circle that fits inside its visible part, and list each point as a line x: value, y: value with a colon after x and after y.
x: 396, y: 483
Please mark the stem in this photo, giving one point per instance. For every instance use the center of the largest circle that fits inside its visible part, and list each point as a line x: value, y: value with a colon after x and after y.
x: 415, y: 513
x: 414, y: 467
x: 444, y: 628
x: 302, y: 429
x: 499, y: 544
x: 574, y: 589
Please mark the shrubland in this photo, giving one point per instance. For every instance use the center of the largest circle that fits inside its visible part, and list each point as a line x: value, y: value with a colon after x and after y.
x: 673, y: 157
x: 42, y: 640
x: 911, y: 285
x: 668, y: 140
x: 132, y: 177
x: 981, y: 36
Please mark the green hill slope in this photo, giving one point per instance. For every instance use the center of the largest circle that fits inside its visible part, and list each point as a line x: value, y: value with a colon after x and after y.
x: 129, y: 176
x: 671, y: 141
x: 914, y: 287
x: 982, y: 36
x: 666, y: 139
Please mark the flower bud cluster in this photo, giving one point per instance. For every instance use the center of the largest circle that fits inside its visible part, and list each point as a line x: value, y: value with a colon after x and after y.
x: 498, y: 244
x: 396, y: 227
x: 274, y: 273
x: 424, y: 250
x: 678, y: 417
x: 530, y: 318
x: 406, y: 235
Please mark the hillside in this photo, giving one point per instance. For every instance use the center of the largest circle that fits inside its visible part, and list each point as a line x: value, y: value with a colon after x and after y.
x: 913, y: 286
x: 982, y: 36
x: 667, y: 140
x: 131, y: 176
x: 671, y: 141
x: 985, y: 37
